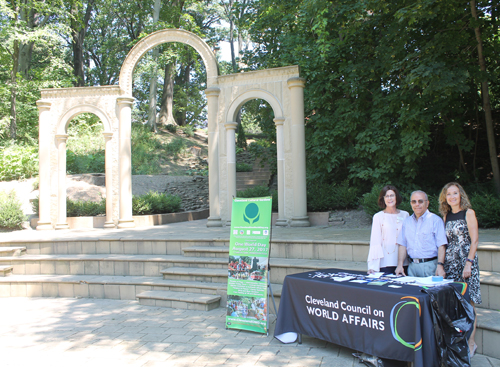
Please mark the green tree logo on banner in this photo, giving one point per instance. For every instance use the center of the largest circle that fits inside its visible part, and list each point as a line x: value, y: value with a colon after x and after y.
x: 252, y: 213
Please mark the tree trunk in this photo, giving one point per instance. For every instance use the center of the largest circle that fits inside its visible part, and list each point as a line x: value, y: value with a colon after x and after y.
x: 26, y: 49
x: 78, y: 31
x: 153, y: 86
x: 167, y: 99
x: 486, y: 104
x: 13, y: 91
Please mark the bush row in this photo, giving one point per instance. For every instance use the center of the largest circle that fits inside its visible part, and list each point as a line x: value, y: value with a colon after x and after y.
x: 150, y: 203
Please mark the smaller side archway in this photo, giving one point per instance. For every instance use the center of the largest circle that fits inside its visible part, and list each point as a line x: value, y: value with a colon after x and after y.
x: 57, y: 108
x: 282, y: 88
x: 231, y: 125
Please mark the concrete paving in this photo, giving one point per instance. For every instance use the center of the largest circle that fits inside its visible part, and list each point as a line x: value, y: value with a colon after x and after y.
x: 100, y: 332
x: 73, y: 332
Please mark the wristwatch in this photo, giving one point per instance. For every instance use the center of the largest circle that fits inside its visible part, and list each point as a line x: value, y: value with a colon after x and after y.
x: 440, y: 263
x: 469, y: 260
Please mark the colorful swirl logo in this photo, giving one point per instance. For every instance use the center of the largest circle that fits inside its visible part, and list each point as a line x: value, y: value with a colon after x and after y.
x: 394, y: 321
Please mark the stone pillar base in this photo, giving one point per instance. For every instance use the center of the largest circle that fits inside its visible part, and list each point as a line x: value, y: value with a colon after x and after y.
x: 214, y: 222
x: 44, y: 226
x: 282, y: 223
x: 61, y: 226
x: 109, y: 225
x: 126, y: 223
x: 300, y: 222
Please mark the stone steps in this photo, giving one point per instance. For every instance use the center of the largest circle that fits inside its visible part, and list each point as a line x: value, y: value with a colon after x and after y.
x: 12, y: 251
x: 488, y: 332
x: 181, y: 300
x: 206, y: 251
x: 195, y: 274
x: 156, y: 265
x: 107, y: 287
x: 6, y: 270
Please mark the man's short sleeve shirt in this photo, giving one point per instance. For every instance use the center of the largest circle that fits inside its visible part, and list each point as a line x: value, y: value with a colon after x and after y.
x: 423, y: 236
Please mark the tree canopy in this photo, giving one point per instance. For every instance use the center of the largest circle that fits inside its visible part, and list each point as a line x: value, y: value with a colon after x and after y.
x: 402, y: 91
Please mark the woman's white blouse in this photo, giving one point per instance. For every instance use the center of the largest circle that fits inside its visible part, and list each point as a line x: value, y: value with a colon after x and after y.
x: 383, y: 248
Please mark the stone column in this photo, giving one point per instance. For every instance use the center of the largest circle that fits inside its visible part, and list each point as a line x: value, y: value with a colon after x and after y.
x: 125, y: 162
x: 44, y: 141
x: 214, y: 220
x: 231, y: 163
x: 280, y: 148
x: 61, y: 182
x: 299, y: 218
x: 109, y: 224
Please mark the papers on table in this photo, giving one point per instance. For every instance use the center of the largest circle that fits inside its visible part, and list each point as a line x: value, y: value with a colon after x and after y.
x: 427, y: 281
x: 375, y: 275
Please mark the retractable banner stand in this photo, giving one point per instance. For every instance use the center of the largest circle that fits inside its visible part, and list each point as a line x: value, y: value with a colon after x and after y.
x: 248, y: 267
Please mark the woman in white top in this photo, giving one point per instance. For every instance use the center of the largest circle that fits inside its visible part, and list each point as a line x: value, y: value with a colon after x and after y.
x: 386, y: 225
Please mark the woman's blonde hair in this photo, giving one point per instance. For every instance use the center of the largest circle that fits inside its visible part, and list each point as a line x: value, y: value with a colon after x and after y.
x: 444, y: 207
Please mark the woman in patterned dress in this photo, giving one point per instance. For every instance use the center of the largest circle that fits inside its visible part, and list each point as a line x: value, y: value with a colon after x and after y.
x: 461, y: 262
x: 386, y: 225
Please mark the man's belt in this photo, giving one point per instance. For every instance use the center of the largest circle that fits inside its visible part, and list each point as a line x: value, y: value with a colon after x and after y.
x: 418, y: 261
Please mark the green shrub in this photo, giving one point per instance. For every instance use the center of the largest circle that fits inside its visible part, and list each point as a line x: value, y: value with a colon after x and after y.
x: 487, y: 208
x: 243, y: 167
x: 18, y: 162
x: 172, y: 128
x: 85, y: 208
x: 175, y: 147
x: 188, y: 130
x: 84, y: 162
x: 11, y: 213
x: 155, y: 203
x: 253, y: 192
x: 150, y: 203
x: 323, y: 196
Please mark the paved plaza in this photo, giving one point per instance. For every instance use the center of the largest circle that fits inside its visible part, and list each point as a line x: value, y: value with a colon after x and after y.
x: 101, y: 332
x: 73, y: 332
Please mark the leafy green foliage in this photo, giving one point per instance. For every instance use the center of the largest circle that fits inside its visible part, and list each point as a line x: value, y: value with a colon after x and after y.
x: 324, y: 196
x: 487, y: 208
x: 243, y: 167
x: 392, y: 93
x: 11, y: 213
x: 85, y: 208
x: 241, y: 139
x: 155, y: 203
x: 18, y: 162
x: 253, y: 192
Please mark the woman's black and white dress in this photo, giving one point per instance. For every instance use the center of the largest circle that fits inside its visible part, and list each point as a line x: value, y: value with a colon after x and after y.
x: 457, y: 252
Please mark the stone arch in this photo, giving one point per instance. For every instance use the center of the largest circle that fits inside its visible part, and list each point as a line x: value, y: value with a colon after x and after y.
x: 164, y: 36
x: 64, y: 120
x: 254, y: 94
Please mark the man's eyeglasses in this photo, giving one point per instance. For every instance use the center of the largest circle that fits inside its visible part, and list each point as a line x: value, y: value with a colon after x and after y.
x: 413, y: 202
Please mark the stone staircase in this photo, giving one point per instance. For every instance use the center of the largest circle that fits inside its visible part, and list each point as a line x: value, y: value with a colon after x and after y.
x: 192, y: 274
x: 260, y: 176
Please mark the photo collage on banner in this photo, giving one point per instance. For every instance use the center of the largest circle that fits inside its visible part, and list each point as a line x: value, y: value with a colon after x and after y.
x: 248, y: 266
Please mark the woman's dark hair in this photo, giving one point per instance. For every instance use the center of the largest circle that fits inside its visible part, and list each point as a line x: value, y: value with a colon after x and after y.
x: 381, y: 202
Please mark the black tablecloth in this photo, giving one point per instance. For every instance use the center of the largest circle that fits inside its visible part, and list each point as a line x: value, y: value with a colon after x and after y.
x: 387, y: 322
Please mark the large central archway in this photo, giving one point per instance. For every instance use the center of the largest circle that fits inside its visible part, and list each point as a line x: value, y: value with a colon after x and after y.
x: 125, y: 111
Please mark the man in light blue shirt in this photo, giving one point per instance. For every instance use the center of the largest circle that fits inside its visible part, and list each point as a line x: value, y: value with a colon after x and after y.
x: 423, y: 239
